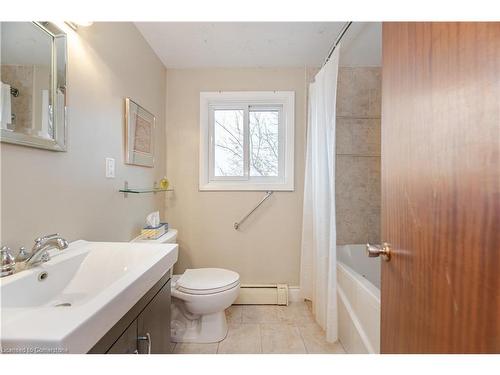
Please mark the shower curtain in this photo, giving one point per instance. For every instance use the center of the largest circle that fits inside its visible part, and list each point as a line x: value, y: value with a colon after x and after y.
x: 318, y: 273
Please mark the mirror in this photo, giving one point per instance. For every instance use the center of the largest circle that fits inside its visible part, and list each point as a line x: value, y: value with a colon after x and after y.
x: 33, y: 85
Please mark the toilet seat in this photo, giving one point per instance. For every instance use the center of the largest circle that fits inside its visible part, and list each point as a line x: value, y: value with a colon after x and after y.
x: 203, y: 281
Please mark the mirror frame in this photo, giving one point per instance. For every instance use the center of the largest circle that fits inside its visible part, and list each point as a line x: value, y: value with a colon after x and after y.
x: 59, y: 63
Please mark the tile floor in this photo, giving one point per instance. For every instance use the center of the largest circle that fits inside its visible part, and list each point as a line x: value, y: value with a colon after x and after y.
x: 266, y: 329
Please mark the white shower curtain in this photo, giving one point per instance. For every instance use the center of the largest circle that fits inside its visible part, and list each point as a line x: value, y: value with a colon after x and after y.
x: 318, y: 270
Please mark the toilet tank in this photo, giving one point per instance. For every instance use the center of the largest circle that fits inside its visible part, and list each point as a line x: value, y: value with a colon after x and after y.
x: 169, y: 237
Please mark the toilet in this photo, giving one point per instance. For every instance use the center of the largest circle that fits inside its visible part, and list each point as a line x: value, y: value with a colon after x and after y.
x: 199, y: 298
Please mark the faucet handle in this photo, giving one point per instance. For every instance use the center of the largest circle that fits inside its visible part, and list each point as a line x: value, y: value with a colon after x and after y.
x: 48, y: 236
x: 8, y: 263
x: 22, y: 255
x: 63, y: 243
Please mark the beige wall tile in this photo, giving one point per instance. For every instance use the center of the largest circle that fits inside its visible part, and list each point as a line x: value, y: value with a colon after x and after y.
x: 358, y: 136
x: 343, y: 136
x: 358, y: 197
x: 281, y: 338
x: 358, y: 142
x: 241, y: 339
x: 20, y: 77
x: 359, y: 92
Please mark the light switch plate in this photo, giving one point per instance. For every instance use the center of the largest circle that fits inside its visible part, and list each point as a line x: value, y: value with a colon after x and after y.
x: 110, y: 168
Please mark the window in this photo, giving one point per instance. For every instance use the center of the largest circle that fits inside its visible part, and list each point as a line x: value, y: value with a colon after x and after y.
x: 247, y: 140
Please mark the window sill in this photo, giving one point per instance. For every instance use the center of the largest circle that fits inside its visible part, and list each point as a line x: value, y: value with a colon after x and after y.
x: 232, y: 186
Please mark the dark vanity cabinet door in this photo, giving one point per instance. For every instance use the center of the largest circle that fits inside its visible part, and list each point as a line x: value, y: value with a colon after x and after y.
x: 153, y: 324
x: 127, y: 343
x: 145, y: 328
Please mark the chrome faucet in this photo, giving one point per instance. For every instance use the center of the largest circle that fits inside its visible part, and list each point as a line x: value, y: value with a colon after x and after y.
x: 27, y: 259
x: 39, y: 252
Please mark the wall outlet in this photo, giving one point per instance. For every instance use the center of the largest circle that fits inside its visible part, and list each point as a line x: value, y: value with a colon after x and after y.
x: 110, y: 168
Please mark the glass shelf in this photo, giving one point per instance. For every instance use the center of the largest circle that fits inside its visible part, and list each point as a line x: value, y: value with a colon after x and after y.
x: 154, y: 189
x: 143, y: 191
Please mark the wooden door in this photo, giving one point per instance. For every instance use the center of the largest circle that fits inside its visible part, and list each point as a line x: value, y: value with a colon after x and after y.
x: 441, y: 187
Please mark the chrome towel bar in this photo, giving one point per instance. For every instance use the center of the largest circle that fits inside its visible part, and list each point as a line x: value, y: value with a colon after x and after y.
x: 238, y: 223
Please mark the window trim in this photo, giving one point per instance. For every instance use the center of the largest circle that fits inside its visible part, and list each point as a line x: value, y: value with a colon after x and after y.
x: 208, y: 100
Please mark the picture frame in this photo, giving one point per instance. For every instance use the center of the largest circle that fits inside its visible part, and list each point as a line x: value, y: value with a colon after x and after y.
x: 139, y: 135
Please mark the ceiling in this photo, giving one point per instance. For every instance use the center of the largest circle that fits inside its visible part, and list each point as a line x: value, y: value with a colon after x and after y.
x: 259, y: 44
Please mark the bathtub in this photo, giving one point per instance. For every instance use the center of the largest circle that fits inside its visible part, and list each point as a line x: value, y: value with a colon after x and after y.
x: 358, y: 291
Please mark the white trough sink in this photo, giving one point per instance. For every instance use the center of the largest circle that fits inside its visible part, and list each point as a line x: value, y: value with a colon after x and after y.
x: 68, y: 303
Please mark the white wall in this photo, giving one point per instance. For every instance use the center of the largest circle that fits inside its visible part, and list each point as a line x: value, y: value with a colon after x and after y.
x: 45, y: 192
x: 267, y: 247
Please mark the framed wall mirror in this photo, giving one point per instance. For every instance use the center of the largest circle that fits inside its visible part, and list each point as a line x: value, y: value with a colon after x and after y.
x: 139, y: 135
x: 33, y: 61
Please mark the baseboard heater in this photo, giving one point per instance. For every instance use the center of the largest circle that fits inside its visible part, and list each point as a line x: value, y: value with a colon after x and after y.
x: 270, y: 294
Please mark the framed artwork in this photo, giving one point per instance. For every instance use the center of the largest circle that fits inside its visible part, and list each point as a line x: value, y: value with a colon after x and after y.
x: 139, y: 135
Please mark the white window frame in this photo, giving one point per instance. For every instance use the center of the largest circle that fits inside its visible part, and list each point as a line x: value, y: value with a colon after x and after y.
x: 283, y: 100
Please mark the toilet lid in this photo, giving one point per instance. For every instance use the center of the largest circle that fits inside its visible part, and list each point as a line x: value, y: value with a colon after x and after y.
x: 207, y: 280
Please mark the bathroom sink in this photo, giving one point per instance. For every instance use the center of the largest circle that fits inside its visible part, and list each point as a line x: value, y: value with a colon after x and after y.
x: 68, y: 303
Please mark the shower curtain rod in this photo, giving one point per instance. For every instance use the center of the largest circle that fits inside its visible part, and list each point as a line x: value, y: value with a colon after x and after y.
x: 337, y: 41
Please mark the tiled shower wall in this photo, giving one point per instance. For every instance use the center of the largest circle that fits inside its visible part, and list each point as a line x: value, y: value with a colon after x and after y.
x: 358, y: 155
x: 20, y: 77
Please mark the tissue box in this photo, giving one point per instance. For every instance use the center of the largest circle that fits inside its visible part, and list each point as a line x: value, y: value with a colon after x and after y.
x: 153, y: 233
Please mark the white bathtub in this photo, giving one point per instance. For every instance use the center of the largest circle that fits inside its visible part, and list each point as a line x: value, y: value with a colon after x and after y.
x: 358, y: 291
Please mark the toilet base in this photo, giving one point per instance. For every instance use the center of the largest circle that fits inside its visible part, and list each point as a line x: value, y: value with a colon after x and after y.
x: 203, y: 329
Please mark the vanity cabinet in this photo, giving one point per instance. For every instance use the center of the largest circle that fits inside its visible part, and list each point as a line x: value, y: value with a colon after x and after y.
x: 153, y: 324
x: 127, y: 343
x: 145, y: 328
